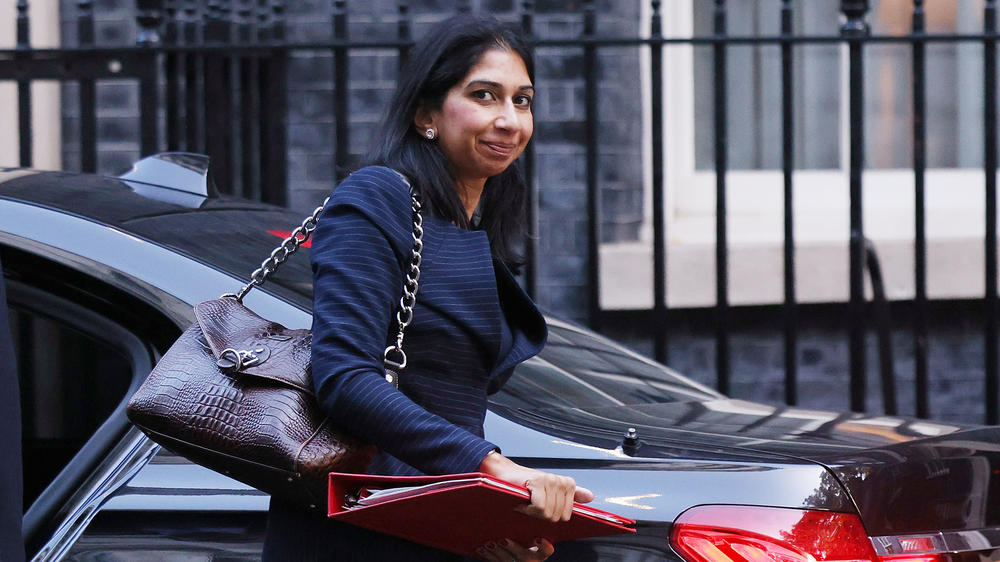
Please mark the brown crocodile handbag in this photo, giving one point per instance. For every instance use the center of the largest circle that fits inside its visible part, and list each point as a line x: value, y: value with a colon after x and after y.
x: 234, y: 392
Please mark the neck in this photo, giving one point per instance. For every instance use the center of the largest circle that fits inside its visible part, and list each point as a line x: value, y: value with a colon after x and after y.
x: 470, y: 195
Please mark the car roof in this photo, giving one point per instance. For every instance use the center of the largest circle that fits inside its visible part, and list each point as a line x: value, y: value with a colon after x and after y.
x: 231, y: 234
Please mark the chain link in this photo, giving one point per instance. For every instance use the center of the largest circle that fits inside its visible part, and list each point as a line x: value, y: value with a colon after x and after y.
x: 287, y: 247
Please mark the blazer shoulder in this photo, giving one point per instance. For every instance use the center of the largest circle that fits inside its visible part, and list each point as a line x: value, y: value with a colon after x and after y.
x: 382, y: 195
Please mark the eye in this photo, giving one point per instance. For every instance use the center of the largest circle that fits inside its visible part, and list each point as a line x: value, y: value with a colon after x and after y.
x: 484, y: 95
x: 522, y: 101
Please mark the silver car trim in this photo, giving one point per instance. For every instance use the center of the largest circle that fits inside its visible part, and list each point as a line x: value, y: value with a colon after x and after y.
x: 125, y: 460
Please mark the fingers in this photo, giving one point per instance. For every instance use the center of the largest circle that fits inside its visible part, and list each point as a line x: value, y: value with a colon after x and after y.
x: 552, y: 496
x: 506, y: 550
x: 583, y: 495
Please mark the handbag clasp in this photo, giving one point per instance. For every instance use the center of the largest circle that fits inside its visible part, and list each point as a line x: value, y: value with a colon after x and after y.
x: 234, y: 360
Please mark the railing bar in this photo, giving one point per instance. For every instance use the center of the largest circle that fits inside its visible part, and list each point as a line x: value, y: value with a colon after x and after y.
x: 404, y: 33
x: 87, y: 95
x: 23, y: 88
x: 249, y: 108
x: 593, y: 190
x: 719, y: 114
x: 175, y: 69
x: 880, y: 305
x: 173, y: 65
x: 251, y: 128
x: 788, y: 164
x: 88, y: 125
x: 990, y: 169
x: 530, y: 162
x: 215, y: 121
x: 235, y: 99
x: 149, y: 16
x: 660, y: 342
x: 341, y: 93
x: 273, y: 138
x: 920, y: 221
x: 230, y: 101
x: 193, y: 86
x: 24, y: 121
x: 194, y: 113
x: 855, y: 29
x: 148, y: 138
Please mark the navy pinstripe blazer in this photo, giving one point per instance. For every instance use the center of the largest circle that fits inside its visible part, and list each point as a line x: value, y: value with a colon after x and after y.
x: 471, y: 326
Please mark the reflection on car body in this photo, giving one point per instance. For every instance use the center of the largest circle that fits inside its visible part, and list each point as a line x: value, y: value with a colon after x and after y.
x: 102, y: 273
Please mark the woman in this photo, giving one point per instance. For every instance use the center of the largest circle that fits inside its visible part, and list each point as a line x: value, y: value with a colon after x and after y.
x: 460, y: 118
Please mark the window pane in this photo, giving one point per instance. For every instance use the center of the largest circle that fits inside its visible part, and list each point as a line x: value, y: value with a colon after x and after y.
x: 954, y: 87
x: 70, y: 383
x: 754, y: 88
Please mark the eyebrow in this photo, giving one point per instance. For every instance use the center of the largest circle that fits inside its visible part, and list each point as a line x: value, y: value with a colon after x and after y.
x: 497, y: 85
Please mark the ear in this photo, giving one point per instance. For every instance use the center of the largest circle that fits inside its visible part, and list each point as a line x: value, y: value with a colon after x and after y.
x: 423, y: 119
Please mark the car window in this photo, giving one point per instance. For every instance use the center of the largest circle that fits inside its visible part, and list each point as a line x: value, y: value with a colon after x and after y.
x: 580, y: 369
x: 74, y: 370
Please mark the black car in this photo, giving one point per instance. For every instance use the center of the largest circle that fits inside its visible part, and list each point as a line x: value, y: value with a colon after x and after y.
x: 102, y: 273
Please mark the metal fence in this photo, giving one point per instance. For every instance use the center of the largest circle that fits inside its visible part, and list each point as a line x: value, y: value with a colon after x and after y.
x: 221, y: 63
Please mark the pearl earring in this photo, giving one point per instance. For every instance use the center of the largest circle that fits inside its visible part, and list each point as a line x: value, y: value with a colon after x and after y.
x: 430, y: 134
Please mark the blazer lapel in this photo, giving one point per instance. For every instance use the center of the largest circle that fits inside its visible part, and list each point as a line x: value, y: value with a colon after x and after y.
x: 527, y: 326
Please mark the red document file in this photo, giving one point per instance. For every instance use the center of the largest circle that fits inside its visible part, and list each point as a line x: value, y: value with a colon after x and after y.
x: 457, y: 512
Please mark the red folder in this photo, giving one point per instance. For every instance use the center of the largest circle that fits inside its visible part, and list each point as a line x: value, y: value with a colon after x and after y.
x: 457, y: 512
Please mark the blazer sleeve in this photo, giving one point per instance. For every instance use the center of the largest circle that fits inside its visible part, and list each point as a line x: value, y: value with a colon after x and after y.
x: 357, y: 252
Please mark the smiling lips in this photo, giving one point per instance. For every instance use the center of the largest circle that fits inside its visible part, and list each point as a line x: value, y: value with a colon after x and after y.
x: 500, y: 149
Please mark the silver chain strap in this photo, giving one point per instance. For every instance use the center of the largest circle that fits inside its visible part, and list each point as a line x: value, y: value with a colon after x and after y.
x: 409, y: 299
x: 404, y: 315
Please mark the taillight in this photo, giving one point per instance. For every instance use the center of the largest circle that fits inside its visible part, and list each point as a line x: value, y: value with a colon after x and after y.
x: 722, y: 533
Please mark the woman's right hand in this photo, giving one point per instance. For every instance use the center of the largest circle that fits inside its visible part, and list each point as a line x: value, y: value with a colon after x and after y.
x: 552, y: 496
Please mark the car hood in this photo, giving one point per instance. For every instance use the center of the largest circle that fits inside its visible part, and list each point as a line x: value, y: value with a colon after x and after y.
x: 904, y: 475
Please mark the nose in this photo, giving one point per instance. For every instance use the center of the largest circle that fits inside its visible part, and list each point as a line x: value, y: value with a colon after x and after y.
x: 507, y: 117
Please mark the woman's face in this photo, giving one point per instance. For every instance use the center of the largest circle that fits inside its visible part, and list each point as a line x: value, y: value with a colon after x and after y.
x: 485, y: 120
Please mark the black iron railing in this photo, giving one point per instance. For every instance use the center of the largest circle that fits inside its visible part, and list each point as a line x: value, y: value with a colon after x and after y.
x: 221, y: 65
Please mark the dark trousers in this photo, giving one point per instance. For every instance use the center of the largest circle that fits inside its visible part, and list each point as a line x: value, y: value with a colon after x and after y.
x: 11, y: 544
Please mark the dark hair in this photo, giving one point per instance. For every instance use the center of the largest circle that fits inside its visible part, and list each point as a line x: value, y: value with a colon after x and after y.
x: 440, y: 60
